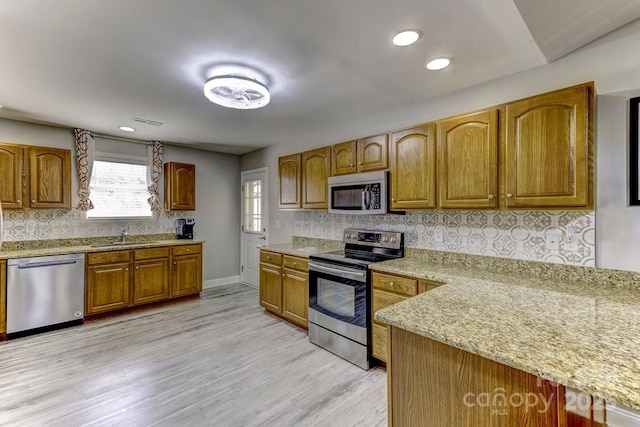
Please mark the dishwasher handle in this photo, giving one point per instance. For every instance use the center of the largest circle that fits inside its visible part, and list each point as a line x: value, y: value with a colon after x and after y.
x: 46, y: 263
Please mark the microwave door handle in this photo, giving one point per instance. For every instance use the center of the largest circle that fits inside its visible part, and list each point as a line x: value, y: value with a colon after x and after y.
x: 366, y: 198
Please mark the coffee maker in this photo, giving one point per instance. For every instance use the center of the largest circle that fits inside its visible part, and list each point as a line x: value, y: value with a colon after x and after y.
x: 184, y: 228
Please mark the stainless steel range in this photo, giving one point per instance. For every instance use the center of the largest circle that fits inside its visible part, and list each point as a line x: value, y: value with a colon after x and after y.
x: 339, y: 292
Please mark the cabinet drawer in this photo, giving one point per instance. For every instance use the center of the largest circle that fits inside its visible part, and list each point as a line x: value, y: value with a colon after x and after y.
x: 186, y: 250
x: 270, y: 257
x: 379, y: 342
x: 382, y: 299
x: 295, y: 263
x: 400, y: 285
x: 151, y: 253
x: 107, y: 257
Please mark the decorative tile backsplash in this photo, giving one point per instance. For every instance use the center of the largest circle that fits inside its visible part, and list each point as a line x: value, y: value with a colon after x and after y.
x: 508, y: 234
x: 61, y: 224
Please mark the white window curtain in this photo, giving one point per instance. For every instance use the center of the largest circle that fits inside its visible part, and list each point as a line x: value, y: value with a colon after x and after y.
x: 154, y: 156
x: 85, y: 154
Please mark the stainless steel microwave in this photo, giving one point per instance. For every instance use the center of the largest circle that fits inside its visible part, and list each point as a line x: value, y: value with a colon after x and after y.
x: 359, y: 193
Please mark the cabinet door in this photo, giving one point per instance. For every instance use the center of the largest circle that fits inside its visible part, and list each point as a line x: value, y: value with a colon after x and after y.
x: 3, y: 296
x: 295, y: 297
x: 186, y: 275
x: 290, y: 174
x: 180, y: 187
x: 548, y: 148
x: 107, y: 287
x: 373, y: 153
x: 413, y: 168
x: 150, y: 280
x: 12, y: 176
x: 49, y: 178
x: 343, y: 158
x: 270, y: 288
x: 468, y: 161
x: 315, y: 172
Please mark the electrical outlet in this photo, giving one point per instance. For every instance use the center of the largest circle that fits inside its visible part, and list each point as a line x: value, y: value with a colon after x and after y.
x: 438, y: 235
x: 553, y: 241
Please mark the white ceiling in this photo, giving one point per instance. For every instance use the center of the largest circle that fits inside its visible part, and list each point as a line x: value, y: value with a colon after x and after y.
x: 96, y: 64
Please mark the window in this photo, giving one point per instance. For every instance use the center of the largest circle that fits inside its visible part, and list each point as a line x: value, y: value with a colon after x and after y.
x: 253, y: 205
x: 119, y: 188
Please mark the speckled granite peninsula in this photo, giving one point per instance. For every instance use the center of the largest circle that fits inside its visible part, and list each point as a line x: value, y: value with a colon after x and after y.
x: 576, y: 326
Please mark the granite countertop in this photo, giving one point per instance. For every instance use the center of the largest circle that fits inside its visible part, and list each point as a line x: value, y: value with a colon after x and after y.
x: 87, y: 247
x: 294, y: 249
x: 583, y: 333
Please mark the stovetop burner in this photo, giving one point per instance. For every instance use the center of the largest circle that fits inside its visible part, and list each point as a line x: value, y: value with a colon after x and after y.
x: 363, y: 247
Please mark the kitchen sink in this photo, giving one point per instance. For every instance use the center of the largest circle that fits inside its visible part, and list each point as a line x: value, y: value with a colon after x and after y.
x: 104, y: 245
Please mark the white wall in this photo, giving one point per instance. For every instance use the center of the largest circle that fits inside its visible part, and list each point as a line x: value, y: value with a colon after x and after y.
x: 612, y: 62
x: 217, y: 201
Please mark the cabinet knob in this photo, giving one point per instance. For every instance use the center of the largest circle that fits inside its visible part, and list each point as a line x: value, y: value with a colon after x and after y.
x: 392, y: 284
x: 188, y: 250
x: 18, y: 200
x: 33, y: 201
x: 491, y: 196
x: 509, y: 195
x: 268, y: 257
x: 126, y: 269
x: 137, y: 267
x: 393, y: 199
x: 175, y: 263
x: 360, y: 163
x: 351, y: 165
x: 295, y: 264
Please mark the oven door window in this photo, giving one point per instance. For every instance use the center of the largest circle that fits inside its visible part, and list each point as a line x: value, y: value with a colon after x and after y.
x: 339, y: 298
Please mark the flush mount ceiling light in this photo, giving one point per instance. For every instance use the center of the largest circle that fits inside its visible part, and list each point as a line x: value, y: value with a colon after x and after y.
x: 406, y: 38
x: 127, y: 129
x: 236, y: 91
x: 438, y: 64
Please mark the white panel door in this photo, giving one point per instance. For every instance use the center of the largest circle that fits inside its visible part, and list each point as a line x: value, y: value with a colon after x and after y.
x: 253, y: 233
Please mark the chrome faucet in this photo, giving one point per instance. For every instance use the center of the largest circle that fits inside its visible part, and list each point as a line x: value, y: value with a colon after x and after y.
x: 124, y: 235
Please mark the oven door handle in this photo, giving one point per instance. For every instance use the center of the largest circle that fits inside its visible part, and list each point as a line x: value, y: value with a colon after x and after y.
x: 360, y: 276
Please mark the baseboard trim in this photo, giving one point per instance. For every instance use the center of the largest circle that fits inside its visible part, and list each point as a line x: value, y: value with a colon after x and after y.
x: 619, y: 416
x: 220, y: 282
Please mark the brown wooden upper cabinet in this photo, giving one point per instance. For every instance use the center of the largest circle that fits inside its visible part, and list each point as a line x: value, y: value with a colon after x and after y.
x: 49, y: 178
x: 363, y: 155
x: 12, y: 175
x: 35, y: 177
x: 548, y: 149
x: 179, y: 187
x: 316, y: 168
x: 468, y: 161
x: 413, y: 168
x: 290, y: 175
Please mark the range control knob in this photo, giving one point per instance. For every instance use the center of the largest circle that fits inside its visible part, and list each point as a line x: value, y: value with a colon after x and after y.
x: 385, y: 239
x: 393, y: 240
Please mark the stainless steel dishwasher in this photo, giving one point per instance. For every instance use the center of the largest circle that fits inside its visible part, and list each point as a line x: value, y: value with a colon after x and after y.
x: 44, y: 292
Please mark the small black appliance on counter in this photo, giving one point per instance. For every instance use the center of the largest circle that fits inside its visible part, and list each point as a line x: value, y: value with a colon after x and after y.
x: 184, y: 228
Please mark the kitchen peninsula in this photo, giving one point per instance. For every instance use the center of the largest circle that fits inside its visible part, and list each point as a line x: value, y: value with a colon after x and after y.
x: 504, y: 334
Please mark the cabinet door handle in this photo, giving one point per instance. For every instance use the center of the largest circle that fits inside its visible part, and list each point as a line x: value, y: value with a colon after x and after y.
x: 509, y: 195
x: 491, y: 196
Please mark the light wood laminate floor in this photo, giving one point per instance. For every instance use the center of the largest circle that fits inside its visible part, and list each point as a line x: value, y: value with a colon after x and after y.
x: 216, y: 361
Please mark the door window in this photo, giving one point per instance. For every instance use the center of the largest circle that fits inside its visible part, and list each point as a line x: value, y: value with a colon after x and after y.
x: 253, y: 206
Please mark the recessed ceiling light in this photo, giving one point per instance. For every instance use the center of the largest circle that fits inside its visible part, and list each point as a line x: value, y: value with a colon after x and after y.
x: 406, y: 38
x: 438, y: 63
x: 127, y: 129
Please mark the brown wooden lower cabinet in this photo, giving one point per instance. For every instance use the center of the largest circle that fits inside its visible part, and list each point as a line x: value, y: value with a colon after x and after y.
x: 434, y: 384
x: 120, y: 279
x: 150, y: 275
x: 284, y: 287
x: 388, y: 289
